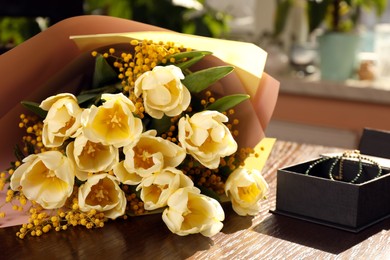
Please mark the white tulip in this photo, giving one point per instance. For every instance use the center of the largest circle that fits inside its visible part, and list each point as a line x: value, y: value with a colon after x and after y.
x: 46, y: 178
x: 190, y: 212
x: 206, y: 138
x: 246, y: 189
x: 162, y: 91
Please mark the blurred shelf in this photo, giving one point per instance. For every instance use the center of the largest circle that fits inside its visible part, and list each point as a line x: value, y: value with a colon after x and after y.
x: 328, y: 113
x: 351, y: 90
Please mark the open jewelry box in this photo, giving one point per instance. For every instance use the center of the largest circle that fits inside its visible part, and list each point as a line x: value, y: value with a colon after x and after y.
x: 313, y: 196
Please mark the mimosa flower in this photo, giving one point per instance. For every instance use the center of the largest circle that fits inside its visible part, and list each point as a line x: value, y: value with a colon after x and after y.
x: 102, y: 193
x: 62, y: 120
x: 151, y: 154
x: 246, y: 188
x: 156, y: 189
x: 162, y: 91
x: 112, y: 123
x: 46, y: 178
x: 190, y: 212
x: 206, y: 138
x: 91, y: 157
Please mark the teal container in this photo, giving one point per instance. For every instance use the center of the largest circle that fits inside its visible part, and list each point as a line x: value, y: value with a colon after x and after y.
x: 338, y: 55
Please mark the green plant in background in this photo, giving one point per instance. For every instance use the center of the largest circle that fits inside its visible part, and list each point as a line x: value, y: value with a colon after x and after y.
x: 15, y: 30
x: 199, y: 18
x: 208, y: 22
x: 282, y: 11
x: 334, y: 15
x: 341, y: 15
x: 339, y: 21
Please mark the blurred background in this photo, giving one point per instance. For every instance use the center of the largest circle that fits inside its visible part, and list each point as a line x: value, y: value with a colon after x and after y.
x: 328, y: 94
x: 21, y: 19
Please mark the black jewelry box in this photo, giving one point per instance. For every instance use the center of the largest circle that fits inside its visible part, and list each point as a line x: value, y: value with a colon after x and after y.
x: 349, y: 206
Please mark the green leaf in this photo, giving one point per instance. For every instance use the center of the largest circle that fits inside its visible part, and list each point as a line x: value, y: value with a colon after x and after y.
x: 146, y: 212
x: 93, y: 95
x: 86, y: 97
x: 161, y: 125
x: 185, y: 65
x: 200, y: 80
x: 34, y: 107
x: 209, y: 193
x: 227, y: 102
x: 184, y: 60
x: 105, y: 89
x: 104, y: 73
x: 18, y: 153
x: 188, y: 55
x: 78, y: 182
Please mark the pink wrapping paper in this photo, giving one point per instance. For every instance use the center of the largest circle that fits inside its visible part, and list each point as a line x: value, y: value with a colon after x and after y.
x: 51, y: 63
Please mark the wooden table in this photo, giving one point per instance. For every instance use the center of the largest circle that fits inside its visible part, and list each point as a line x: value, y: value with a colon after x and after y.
x: 265, y: 236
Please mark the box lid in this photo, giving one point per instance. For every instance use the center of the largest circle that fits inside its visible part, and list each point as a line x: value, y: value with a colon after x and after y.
x: 375, y: 143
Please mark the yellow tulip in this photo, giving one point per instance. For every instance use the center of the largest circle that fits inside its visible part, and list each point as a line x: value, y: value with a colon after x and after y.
x: 157, y: 188
x: 246, y: 188
x: 190, y: 212
x: 62, y: 120
x: 151, y: 154
x: 124, y: 176
x: 112, y: 123
x: 101, y: 192
x: 46, y: 178
x: 88, y: 156
x: 206, y: 138
x: 162, y: 91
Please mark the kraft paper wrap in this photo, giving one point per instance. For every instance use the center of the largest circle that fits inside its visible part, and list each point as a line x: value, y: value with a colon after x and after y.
x: 58, y: 60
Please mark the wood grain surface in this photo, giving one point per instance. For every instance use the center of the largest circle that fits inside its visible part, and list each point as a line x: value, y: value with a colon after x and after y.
x: 265, y: 236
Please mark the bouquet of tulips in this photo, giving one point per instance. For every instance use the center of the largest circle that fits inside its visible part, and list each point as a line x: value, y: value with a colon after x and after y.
x: 148, y: 131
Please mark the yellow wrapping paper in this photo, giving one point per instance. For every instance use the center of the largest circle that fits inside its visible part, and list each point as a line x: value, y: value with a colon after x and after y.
x: 248, y: 59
